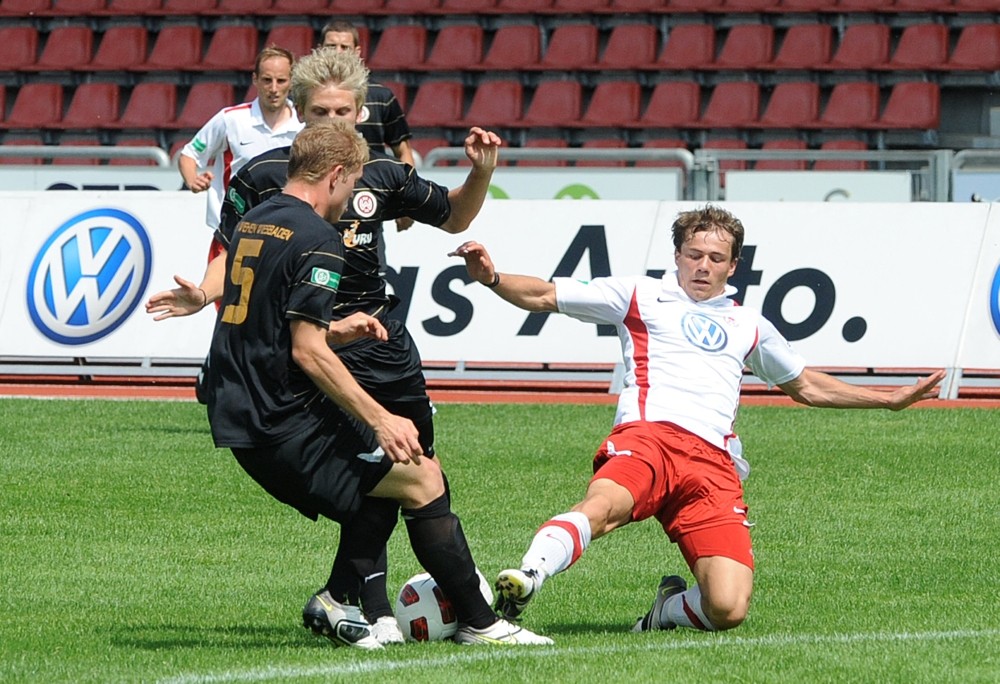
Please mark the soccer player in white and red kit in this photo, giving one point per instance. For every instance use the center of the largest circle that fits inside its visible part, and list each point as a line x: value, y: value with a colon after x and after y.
x: 237, y: 134
x: 672, y: 454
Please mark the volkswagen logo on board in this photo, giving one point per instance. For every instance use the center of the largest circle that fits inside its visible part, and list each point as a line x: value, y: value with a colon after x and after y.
x: 89, y: 276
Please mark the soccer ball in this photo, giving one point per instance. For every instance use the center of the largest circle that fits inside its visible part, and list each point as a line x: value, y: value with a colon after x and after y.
x: 424, y: 613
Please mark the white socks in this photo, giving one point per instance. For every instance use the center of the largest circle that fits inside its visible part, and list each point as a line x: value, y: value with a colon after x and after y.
x: 685, y: 610
x: 557, y: 545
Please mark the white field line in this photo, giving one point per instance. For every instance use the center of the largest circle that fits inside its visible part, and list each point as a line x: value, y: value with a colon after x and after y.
x: 474, y: 654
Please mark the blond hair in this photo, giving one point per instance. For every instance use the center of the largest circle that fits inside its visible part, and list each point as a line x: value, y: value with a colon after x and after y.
x: 329, y: 66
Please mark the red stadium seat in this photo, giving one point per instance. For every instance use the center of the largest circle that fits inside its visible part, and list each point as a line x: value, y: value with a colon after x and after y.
x: 729, y: 164
x: 76, y: 8
x: 544, y: 143
x: 806, y: 5
x: 733, y: 104
x: 296, y: 38
x: 18, y: 47
x: 793, y: 104
x: 399, y: 48
x: 922, y: 6
x: 24, y: 8
x: 151, y: 105
x: 303, y: 7
x: 185, y: 7
x: 864, y: 5
x: 613, y: 104
x: 554, y: 104
x: 747, y: 47
x: 603, y: 144
x: 841, y: 164
x: 688, y: 46
x: 410, y: 6
x: 146, y: 141
x: 662, y: 143
x: 514, y: 47
x: 806, y: 46
x: 66, y: 48
x: 94, y: 105
x: 399, y: 91
x: 244, y: 8
x: 579, y: 6
x: 37, y: 105
x: 466, y: 6
x: 749, y: 5
x: 121, y: 48
x: 131, y: 8
x: 571, y: 46
x: 672, y: 104
x: 438, y: 103
x: 626, y: 6
x: 851, y: 105
x: 921, y: 47
x: 496, y: 104
x: 522, y: 6
x: 912, y: 105
x: 204, y: 99
x: 77, y: 141
x: 17, y: 140
x: 630, y: 46
x: 863, y: 46
x: 695, y: 5
x: 177, y: 47
x: 232, y: 48
x: 457, y: 47
x: 974, y: 6
x: 781, y: 164
x: 977, y: 49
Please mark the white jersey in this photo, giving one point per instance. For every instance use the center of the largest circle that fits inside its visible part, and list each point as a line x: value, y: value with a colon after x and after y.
x: 232, y: 137
x: 684, y: 359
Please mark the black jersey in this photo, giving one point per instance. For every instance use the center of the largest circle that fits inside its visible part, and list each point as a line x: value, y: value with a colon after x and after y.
x: 284, y: 263
x: 382, y: 121
x: 387, y: 189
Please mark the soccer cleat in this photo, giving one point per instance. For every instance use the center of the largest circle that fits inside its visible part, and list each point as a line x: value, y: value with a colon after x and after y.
x: 342, y: 625
x: 386, y: 631
x: 514, y: 589
x: 501, y: 633
x: 669, y: 586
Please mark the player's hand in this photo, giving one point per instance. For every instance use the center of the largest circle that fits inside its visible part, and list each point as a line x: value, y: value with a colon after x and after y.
x: 399, y: 439
x: 180, y: 301
x: 202, y: 182
x: 924, y: 388
x: 482, y: 148
x: 402, y: 223
x: 477, y: 261
x: 355, y: 327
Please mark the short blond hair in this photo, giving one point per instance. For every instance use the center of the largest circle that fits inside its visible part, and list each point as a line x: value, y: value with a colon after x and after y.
x: 329, y: 66
x: 321, y: 147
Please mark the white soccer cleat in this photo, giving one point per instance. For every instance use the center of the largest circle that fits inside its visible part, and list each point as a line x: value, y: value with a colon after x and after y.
x: 514, y: 589
x: 342, y: 625
x: 386, y: 631
x: 500, y: 633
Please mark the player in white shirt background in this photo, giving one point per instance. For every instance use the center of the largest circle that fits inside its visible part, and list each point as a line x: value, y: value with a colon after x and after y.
x: 672, y: 453
x: 237, y: 134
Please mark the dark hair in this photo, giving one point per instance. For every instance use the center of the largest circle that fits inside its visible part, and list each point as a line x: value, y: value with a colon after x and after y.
x: 340, y: 26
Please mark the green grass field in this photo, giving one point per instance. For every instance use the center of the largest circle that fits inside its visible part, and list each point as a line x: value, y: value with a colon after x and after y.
x: 133, y: 551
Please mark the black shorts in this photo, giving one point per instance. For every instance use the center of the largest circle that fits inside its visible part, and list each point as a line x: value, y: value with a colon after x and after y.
x: 324, y: 472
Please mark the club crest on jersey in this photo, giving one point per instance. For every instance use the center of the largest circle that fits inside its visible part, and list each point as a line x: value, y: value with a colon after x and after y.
x: 703, y: 332
x: 364, y: 203
x: 364, y: 115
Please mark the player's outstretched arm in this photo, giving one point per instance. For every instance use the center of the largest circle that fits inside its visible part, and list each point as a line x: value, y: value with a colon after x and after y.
x: 189, y: 298
x: 482, y: 148
x: 526, y: 292
x: 815, y: 388
x: 354, y: 327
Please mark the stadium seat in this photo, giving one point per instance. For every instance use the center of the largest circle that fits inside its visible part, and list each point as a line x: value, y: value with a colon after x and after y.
x: 423, y: 144
x: 974, y: 6
x: 36, y: 105
x: 747, y: 47
x: 662, y: 143
x: 579, y: 6
x: 793, y: 104
x: 94, y: 105
x: 399, y: 91
x: 806, y: 5
x: 805, y: 46
x: 18, y: 140
x: 77, y: 141
x: 912, y: 105
x: 456, y: 47
x: 131, y: 8
x: 232, y: 48
x: 628, y: 6
x: 851, y: 105
x: 204, y: 99
x: 3, y: 102
x: 688, y: 46
x: 630, y: 46
x: 782, y: 164
x: 863, y: 46
x: 514, y: 47
x: 614, y: 104
x: 66, y: 48
x: 410, y: 6
x: 864, y: 5
x: 522, y: 6
x: 672, y: 104
x: 571, y: 46
x: 554, y: 104
x: 466, y: 6
x: 732, y: 104
x: 399, y: 48
x: 438, y: 104
x: 356, y: 7
x: 152, y: 104
x: 302, y: 7
x: 145, y: 141
x: 76, y: 8
x: 244, y: 8
x: 749, y: 5
x: 177, y: 47
x: 544, y: 143
x: 496, y: 104
x: 728, y: 164
x: 695, y: 5
x: 296, y: 38
x: 921, y: 47
x: 24, y: 8
x: 977, y: 49
x: 922, y: 6
x: 18, y: 47
x: 602, y: 144
x: 187, y: 7
x: 841, y: 164
x: 121, y: 48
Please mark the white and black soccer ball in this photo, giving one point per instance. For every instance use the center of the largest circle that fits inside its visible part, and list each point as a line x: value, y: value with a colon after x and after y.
x: 424, y: 613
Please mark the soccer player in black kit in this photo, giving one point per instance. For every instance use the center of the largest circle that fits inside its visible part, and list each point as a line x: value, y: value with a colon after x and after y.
x: 330, y: 85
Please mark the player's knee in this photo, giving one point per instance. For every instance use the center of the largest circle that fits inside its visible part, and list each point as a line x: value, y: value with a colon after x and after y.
x: 727, y: 612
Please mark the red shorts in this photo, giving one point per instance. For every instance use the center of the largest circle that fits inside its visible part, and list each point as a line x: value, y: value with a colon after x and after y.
x: 687, y: 484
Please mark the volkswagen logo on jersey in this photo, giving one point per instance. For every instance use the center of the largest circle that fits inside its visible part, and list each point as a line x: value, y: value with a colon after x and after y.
x: 364, y: 203
x: 703, y: 332
x: 89, y: 276
x: 995, y: 300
